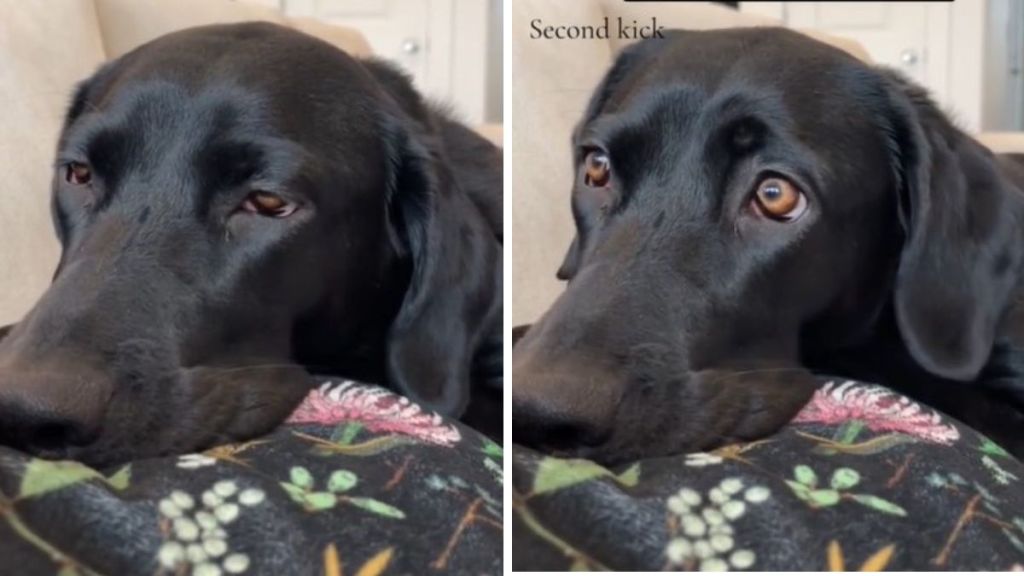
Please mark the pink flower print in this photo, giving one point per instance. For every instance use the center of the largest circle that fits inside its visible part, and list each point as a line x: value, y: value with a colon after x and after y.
x: 376, y: 409
x: 879, y: 409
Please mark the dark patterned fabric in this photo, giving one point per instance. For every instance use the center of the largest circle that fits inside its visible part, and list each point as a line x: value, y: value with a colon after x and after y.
x: 359, y: 482
x: 863, y: 479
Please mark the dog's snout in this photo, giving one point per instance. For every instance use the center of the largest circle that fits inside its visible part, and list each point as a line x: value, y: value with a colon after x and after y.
x: 547, y: 424
x: 48, y: 413
x: 561, y: 409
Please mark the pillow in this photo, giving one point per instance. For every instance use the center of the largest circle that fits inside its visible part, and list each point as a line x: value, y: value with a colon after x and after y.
x: 360, y: 481
x: 862, y: 479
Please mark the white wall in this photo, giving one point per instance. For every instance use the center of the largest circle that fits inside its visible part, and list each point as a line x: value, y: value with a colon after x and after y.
x: 1003, y: 100
x: 493, y: 107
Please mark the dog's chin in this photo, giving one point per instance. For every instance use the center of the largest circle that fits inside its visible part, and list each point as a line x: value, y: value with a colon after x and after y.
x: 113, y: 452
x: 104, y: 458
x: 201, y: 415
x: 623, y: 450
x: 130, y: 446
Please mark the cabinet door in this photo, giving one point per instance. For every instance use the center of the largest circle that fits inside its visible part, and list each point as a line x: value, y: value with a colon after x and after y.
x: 395, y: 29
x: 893, y: 33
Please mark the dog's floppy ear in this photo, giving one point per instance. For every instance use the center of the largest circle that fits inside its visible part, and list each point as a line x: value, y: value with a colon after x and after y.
x: 454, y: 293
x: 962, y: 252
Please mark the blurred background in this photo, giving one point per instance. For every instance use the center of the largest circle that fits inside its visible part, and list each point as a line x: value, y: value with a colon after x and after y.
x: 451, y: 47
x: 968, y: 53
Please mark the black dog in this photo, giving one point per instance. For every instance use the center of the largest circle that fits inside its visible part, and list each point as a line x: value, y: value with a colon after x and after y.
x: 238, y: 204
x: 753, y: 205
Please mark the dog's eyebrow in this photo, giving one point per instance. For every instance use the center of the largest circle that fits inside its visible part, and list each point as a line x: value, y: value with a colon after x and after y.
x: 261, y: 161
x: 108, y: 148
x: 89, y: 134
x: 230, y: 163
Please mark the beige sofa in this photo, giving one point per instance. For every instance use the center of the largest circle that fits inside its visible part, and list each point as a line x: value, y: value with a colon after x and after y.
x: 551, y: 82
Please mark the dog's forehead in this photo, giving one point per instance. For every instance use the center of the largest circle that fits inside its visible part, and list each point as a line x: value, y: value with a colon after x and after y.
x: 693, y: 84
x: 303, y: 87
x: 777, y: 52
x: 772, y: 60
x: 159, y: 119
x: 157, y: 103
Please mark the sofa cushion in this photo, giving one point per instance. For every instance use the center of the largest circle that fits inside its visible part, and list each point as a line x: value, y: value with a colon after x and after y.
x: 553, y: 80
x: 863, y: 478
x: 1003, y: 142
x: 126, y: 24
x: 36, y: 76
x: 360, y: 481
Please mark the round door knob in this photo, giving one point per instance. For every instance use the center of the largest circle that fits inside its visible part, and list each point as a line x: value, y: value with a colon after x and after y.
x: 410, y: 46
x: 908, y: 57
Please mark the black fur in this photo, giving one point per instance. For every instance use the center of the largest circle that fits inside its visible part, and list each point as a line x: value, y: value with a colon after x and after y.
x: 177, y: 320
x: 690, y: 321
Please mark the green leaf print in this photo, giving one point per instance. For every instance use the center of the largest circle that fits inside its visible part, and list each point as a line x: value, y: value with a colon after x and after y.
x: 802, y: 492
x: 44, y: 476
x: 122, y: 478
x: 301, y: 477
x: 297, y: 493
x: 849, y: 431
x: 492, y: 449
x: 805, y: 475
x: 993, y: 449
x: 556, y: 474
x: 341, y: 481
x: 377, y: 507
x: 316, y: 501
x: 630, y: 476
x: 301, y: 491
x: 346, y: 433
x: 824, y: 497
x: 879, y: 504
x: 844, y: 479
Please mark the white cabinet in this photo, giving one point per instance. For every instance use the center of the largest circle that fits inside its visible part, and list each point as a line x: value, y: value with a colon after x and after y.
x: 895, y: 34
x: 941, y: 45
x: 442, y: 43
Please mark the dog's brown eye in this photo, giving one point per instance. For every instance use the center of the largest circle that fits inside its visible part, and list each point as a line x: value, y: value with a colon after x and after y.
x: 78, y: 174
x: 779, y: 199
x: 269, y: 205
x: 598, y: 169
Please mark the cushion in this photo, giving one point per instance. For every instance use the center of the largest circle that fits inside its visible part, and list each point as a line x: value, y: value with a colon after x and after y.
x: 360, y: 481
x: 862, y: 479
x: 36, y: 73
x: 129, y: 23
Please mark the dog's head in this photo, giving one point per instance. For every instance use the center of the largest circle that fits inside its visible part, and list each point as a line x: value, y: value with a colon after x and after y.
x: 234, y: 202
x: 737, y: 193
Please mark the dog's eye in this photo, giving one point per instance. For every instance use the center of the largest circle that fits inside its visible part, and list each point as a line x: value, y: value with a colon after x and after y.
x: 77, y: 173
x: 269, y: 205
x: 598, y: 169
x: 779, y: 199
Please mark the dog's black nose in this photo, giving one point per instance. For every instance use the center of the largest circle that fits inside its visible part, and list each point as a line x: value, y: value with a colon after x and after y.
x: 551, y: 425
x: 559, y: 403
x: 46, y: 413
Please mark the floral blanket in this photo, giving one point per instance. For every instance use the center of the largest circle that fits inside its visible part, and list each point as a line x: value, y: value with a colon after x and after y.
x: 863, y: 479
x: 359, y: 482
